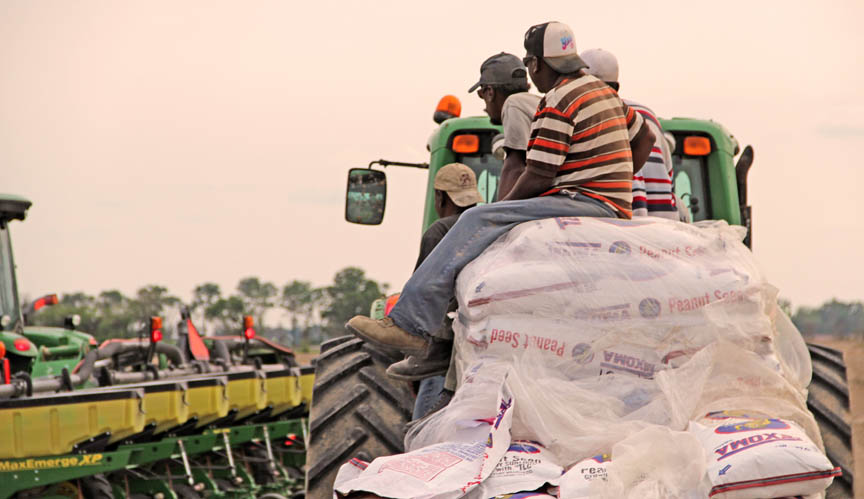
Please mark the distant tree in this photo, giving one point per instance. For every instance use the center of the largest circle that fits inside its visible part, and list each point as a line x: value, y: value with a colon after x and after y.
x: 300, y: 299
x: 204, y: 296
x: 151, y: 300
x: 228, y: 313
x: 351, y: 293
x: 111, y: 298
x: 834, y: 318
x: 77, y: 300
x: 257, y: 297
x: 115, y: 315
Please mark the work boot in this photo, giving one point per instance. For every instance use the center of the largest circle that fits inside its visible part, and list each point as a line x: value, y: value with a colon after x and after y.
x: 386, y: 334
x: 433, y: 362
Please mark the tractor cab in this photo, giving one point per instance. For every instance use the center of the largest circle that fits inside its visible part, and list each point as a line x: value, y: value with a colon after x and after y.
x: 34, y: 350
x: 708, y: 180
x: 11, y: 208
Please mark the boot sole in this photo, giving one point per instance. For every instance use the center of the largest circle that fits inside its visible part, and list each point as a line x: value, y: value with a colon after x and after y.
x: 416, y: 377
x: 410, y: 351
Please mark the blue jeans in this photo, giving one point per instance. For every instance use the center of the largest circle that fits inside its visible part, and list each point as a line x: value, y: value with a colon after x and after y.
x: 428, y: 394
x: 428, y: 292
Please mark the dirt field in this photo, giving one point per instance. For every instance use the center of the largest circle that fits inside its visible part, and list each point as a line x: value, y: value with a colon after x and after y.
x: 305, y: 359
x: 853, y: 353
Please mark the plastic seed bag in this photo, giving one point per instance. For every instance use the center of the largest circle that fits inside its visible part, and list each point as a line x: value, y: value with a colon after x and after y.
x: 526, y: 466
x: 444, y: 470
x: 753, y: 456
x: 577, y: 481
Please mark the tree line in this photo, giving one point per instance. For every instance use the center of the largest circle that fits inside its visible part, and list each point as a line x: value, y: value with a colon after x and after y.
x: 832, y: 318
x: 314, y: 313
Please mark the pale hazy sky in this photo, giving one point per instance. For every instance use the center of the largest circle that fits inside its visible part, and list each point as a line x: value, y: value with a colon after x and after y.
x: 176, y: 142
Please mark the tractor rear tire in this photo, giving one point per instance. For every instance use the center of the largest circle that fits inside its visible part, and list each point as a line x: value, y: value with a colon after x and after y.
x: 828, y: 400
x: 357, y: 411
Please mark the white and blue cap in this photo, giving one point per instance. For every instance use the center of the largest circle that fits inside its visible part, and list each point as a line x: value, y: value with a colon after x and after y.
x: 555, y: 43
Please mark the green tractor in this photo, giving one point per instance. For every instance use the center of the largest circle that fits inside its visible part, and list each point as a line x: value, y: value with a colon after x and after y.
x: 359, y: 411
x: 140, y: 418
x: 32, y: 350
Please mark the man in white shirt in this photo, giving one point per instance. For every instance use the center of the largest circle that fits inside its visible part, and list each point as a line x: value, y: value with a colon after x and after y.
x: 503, y: 86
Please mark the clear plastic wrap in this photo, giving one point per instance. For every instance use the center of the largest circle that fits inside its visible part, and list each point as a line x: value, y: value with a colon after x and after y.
x: 611, y: 337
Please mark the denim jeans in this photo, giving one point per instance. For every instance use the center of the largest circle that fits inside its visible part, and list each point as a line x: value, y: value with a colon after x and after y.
x: 428, y: 394
x: 428, y: 292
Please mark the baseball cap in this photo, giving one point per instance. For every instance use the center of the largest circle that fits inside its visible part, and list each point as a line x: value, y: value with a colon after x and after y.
x: 460, y: 183
x: 554, y: 42
x: 502, y: 69
x: 601, y: 63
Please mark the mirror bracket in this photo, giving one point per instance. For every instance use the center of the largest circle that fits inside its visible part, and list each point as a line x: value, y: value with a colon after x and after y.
x: 385, y: 163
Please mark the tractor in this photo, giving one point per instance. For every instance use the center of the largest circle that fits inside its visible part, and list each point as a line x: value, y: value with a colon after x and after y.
x: 359, y: 412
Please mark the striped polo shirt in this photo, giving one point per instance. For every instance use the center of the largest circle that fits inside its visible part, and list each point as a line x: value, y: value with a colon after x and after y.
x: 581, y: 136
x: 652, y: 184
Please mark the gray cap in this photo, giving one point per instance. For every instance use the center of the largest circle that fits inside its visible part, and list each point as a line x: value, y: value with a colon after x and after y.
x: 502, y: 69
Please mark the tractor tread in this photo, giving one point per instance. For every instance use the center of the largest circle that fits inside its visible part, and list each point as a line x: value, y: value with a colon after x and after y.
x: 357, y: 411
x: 334, y: 342
x: 828, y: 400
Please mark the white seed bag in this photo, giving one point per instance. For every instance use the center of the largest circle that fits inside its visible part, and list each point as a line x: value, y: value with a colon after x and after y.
x: 527, y: 466
x: 576, y: 482
x: 605, y: 336
x: 444, y: 470
x: 753, y: 456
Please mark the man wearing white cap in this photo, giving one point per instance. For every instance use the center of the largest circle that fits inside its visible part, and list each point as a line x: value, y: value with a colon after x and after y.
x: 584, y: 146
x: 652, y: 185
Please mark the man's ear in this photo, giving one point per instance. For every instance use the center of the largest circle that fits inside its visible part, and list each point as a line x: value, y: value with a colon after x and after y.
x: 492, y: 92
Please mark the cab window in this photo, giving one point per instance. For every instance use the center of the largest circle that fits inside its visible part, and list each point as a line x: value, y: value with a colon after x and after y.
x: 486, y: 166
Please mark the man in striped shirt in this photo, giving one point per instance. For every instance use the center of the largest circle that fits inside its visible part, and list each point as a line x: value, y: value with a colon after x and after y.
x: 584, y: 146
x: 652, y: 185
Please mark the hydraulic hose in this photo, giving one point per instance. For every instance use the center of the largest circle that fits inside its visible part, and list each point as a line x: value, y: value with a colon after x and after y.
x: 84, y: 370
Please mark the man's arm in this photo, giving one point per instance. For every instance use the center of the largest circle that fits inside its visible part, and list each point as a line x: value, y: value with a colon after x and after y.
x: 529, y: 185
x: 550, y: 140
x: 517, y: 115
x: 514, y: 165
x: 641, y: 146
x: 641, y: 137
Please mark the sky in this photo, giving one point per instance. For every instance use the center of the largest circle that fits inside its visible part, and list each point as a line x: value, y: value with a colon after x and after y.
x: 176, y: 142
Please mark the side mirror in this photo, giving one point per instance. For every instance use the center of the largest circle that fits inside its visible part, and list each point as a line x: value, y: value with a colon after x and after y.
x: 366, y: 196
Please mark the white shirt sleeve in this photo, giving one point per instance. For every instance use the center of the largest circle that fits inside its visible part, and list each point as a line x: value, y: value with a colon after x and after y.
x: 516, y: 117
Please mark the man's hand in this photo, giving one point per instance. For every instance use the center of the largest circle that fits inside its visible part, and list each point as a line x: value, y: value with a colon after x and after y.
x: 529, y: 185
x: 641, y: 146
